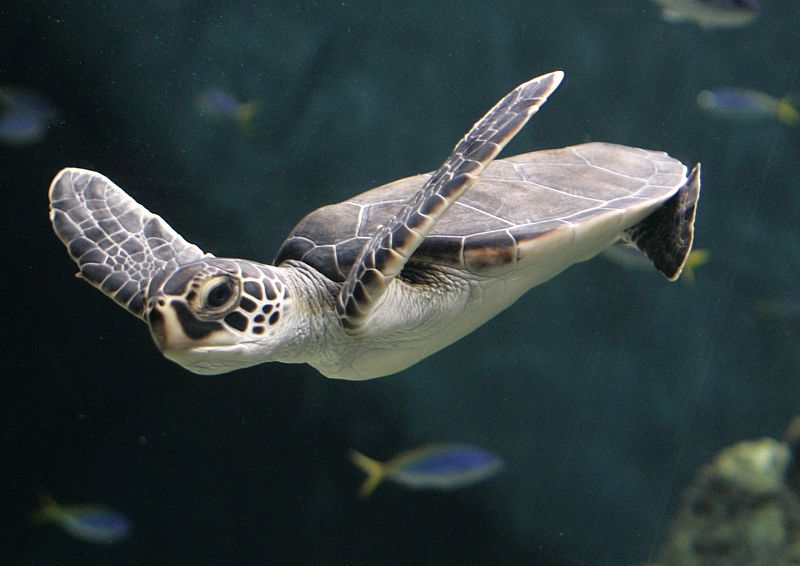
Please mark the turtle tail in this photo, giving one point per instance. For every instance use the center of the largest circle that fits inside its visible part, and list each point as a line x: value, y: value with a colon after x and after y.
x: 666, y: 235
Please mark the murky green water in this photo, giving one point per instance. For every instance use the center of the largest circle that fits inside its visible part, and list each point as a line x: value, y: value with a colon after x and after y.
x: 603, y: 390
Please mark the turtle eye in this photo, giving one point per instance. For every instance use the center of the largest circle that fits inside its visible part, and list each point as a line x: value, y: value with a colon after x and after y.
x: 218, y: 293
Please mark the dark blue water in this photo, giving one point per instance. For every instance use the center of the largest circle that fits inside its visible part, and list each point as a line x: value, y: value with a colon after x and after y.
x: 603, y: 390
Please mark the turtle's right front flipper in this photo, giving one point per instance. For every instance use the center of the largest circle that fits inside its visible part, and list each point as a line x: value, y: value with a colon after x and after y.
x: 117, y: 243
x: 387, y: 252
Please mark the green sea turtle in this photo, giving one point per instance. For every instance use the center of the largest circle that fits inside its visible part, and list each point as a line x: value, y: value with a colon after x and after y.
x: 372, y: 285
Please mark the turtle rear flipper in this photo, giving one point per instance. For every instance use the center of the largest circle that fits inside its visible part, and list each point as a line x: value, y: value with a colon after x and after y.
x: 666, y: 235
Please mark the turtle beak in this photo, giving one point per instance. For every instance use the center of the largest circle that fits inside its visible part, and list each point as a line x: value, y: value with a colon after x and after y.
x: 173, y: 326
x: 203, y: 347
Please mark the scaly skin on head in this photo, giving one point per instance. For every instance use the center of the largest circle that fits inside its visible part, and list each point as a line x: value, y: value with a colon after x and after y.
x: 217, y: 315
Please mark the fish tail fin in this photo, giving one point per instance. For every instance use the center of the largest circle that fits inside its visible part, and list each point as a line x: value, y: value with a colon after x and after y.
x: 788, y: 112
x: 375, y: 471
x: 666, y: 236
x: 245, y: 113
x: 48, y: 512
x: 695, y: 259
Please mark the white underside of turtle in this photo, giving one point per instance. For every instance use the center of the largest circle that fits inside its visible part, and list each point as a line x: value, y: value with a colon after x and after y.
x: 372, y: 285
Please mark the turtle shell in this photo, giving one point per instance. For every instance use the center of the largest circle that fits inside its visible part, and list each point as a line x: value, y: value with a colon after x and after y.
x: 510, y: 210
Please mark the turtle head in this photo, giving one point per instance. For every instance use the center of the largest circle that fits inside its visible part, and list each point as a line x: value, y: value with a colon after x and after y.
x: 216, y: 315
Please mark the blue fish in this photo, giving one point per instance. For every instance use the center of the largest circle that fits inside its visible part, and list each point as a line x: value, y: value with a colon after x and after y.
x: 25, y: 116
x: 218, y: 103
x: 22, y: 129
x: 744, y: 104
x: 90, y: 523
x: 710, y: 13
x: 435, y: 466
x: 630, y: 257
x: 17, y: 100
x: 787, y: 308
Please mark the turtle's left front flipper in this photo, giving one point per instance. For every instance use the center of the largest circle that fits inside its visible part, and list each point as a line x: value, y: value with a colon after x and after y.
x: 117, y: 243
x: 384, y: 256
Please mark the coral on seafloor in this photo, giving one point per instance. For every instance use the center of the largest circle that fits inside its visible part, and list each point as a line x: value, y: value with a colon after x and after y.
x: 743, y: 508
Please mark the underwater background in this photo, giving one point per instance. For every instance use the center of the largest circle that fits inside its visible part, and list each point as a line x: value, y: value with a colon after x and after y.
x: 604, y: 390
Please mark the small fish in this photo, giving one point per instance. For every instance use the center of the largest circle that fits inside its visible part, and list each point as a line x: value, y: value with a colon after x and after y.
x: 90, y: 523
x: 18, y: 100
x: 21, y: 129
x: 218, y: 103
x: 778, y: 309
x: 710, y: 13
x: 746, y: 104
x: 25, y: 116
x: 630, y: 257
x: 435, y: 466
x: 696, y: 258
